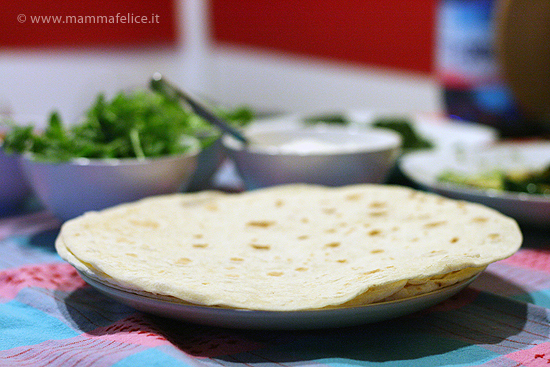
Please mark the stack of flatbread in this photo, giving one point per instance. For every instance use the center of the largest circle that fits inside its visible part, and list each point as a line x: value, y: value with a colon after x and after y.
x: 287, y: 248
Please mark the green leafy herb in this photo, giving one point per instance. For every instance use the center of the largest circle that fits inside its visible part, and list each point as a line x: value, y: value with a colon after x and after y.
x: 335, y: 118
x: 528, y: 181
x: 131, y: 125
x: 411, y: 139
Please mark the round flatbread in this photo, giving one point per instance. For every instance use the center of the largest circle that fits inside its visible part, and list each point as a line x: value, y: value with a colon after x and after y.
x: 285, y: 248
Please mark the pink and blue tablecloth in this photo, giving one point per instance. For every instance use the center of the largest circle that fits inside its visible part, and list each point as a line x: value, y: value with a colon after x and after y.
x: 50, y: 317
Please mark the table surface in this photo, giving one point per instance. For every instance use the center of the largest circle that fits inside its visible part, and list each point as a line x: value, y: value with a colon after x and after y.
x: 50, y: 316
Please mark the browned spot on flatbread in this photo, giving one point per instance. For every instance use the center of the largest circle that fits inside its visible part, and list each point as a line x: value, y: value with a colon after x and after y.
x: 372, y: 272
x: 260, y: 223
x: 378, y: 213
x: 480, y: 220
x: 260, y: 247
x: 183, y: 261
x: 144, y: 223
x: 435, y: 224
x: 353, y: 197
x: 212, y: 207
x: 494, y: 236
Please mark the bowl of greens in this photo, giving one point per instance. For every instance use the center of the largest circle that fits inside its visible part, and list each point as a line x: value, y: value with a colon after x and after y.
x: 136, y: 144
x: 132, y: 146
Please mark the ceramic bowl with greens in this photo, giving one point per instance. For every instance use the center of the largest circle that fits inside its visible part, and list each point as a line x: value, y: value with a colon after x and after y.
x: 134, y: 145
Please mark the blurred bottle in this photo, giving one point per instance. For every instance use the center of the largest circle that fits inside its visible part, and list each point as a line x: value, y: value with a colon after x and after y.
x: 468, y: 69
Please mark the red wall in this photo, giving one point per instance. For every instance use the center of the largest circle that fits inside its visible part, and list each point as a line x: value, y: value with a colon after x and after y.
x: 394, y: 34
x: 387, y: 33
x: 17, y: 29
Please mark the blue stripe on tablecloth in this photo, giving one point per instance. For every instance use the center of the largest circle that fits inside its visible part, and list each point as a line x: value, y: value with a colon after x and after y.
x: 83, y: 310
x: 32, y: 249
x: 461, y: 356
x: 152, y: 358
x: 21, y: 324
x: 402, y: 342
x: 539, y: 298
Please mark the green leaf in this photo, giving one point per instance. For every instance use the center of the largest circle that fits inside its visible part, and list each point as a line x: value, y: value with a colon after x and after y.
x: 129, y: 125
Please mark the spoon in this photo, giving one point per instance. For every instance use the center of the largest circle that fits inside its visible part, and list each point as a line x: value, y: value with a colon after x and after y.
x: 159, y: 84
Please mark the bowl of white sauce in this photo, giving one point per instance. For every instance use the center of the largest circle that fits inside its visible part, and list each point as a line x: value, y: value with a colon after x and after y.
x: 331, y: 156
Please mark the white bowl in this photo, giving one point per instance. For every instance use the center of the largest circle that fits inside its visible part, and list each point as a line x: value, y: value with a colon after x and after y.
x: 332, y: 156
x: 70, y: 189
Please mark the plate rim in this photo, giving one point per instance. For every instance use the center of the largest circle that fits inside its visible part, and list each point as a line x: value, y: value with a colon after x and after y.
x: 529, y: 210
x: 271, y: 320
x: 482, y: 193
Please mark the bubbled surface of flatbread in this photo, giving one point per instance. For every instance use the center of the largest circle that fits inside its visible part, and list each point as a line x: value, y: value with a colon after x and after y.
x: 295, y: 247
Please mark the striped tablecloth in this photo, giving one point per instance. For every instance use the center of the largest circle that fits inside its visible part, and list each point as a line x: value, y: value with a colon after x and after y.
x: 50, y: 317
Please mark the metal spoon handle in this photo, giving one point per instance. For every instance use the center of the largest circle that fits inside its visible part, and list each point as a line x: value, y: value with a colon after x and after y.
x: 159, y: 84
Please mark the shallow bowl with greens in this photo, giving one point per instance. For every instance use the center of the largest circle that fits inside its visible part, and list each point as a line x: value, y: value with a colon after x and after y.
x: 69, y: 189
x: 134, y: 145
x: 511, y: 177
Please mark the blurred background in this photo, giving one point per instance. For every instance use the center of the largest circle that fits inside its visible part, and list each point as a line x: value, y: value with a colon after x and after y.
x: 431, y: 56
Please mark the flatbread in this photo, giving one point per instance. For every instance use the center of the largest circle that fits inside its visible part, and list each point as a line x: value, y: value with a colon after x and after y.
x: 286, y: 248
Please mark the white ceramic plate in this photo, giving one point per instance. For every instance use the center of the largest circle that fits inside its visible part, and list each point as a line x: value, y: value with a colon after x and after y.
x: 442, y: 132
x: 423, y: 168
x: 275, y: 320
